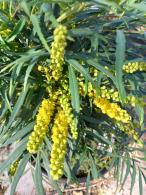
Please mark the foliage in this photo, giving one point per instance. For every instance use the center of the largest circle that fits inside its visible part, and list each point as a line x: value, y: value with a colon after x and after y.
x: 75, y: 55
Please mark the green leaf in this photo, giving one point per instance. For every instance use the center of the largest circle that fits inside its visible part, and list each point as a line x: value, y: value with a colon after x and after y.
x: 46, y: 163
x: 18, y: 28
x: 19, y: 134
x: 16, y: 109
x: 88, y: 182
x: 117, y: 171
x: 68, y: 171
x: 74, y: 90
x: 19, y: 173
x: 133, y: 177
x: 80, y: 69
x: 128, y: 166
x: 95, y: 173
x: 13, y: 156
x: 48, y: 143
x: 122, y: 171
x: 140, y: 184
x: 120, y: 58
x: 144, y: 177
x: 47, y: 9
x: 139, y: 6
x: 37, y: 28
x: 7, y: 102
x: 38, y: 177
x: 140, y: 112
x: 96, y: 135
x: 25, y: 7
x: 81, y: 32
x: 28, y: 71
x: 96, y: 65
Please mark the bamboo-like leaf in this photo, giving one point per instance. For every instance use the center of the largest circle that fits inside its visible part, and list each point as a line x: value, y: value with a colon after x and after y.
x: 120, y: 58
x: 37, y: 28
x: 95, y: 173
x: 128, y: 166
x: 16, y: 109
x: 25, y: 7
x: 140, y: 112
x: 68, y: 171
x: 20, y: 133
x: 18, y: 28
x: 96, y: 65
x: 74, y: 90
x: 38, y: 177
x: 96, y: 135
x: 13, y: 156
x: 88, y: 182
x: 48, y: 143
x: 19, y: 173
x: 144, y: 176
x: 140, y: 183
x: 80, y: 69
x: 81, y: 32
x: 133, y: 177
x: 28, y: 71
x: 7, y: 102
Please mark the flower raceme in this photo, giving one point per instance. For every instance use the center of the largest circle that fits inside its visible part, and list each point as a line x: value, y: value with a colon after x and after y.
x: 132, y: 67
x: 57, y: 51
x: 112, y: 110
x: 43, y: 119
x: 107, y: 93
x: 114, y: 95
x: 14, y: 167
x: 128, y: 129
x: 59, y: 138
x: 54, y: 71
x: 66, y: 106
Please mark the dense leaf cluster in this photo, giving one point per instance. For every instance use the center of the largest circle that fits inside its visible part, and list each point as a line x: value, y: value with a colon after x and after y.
x: 103, y: 36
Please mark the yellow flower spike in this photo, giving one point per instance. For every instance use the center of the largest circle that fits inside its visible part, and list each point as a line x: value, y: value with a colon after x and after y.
x: 128, y: 129
x: 58, y: 151
x: 132, y: 67
x: 113, y: 110
x: 131, y: 100
x: 57, y: 52
x: 43, y: 119
x: 14, y: 167
x: 66, y: 106
x: 40, y: 68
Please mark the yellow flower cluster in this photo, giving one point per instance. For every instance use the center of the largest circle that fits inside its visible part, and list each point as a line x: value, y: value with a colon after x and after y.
x: 109, y: 93
x: 43, y: 119
x: 54, y: 71
x: 59, y: 138
x: 45, y: 70
x: 66, y: 106
x: 57, y: 52
x: 94, y: 72
x: 128, y: 129
x: 114, y: 95
x: 132, y: 100
x: 112, y: 110
x: 90, y: 89
x: 106, y: 93
x: 132, y: 67
x: 13, y: 168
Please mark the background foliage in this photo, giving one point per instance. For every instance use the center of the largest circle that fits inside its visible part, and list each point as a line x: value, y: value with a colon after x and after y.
x: 104, y: 35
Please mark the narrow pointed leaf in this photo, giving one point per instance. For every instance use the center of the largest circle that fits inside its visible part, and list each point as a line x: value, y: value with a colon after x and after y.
x: 19, y: 173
